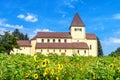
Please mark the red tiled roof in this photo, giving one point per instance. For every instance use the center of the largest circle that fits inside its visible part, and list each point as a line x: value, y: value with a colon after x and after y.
x: 24, y: 43
x: 77, y: 21
x: 59, y: 35
x: 53, y: 35
x: 91, y: 36
x: 80, y: 45
x: 34, y: 38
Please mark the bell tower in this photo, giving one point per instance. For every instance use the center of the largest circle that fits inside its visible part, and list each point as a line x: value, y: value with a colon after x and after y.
x: 77, y: 28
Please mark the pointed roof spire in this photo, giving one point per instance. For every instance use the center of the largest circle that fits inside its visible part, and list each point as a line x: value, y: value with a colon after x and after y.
x: 77, y: 21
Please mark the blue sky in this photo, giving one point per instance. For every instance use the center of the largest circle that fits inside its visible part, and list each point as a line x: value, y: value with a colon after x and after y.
x: 101, y: 17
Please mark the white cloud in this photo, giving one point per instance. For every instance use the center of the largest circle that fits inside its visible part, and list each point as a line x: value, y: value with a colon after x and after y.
x: 29, y: 17
x: 3, y: 24
x: 42, y: 30
x: 110, y: 44
x: 115, y: 40
x: 112, y: 40
x: 116, y: 16
x: 21, y: 16
x: 2, y: 30
x: 69, y: 3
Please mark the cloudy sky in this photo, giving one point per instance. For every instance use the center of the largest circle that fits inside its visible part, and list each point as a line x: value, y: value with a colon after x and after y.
x: 101, y: 17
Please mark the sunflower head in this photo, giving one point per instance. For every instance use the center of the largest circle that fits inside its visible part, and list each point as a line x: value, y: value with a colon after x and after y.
x: 47, y: 60
x: 26, y: 75
x: 52, y: 71
x: 35, y: 58
x: 112, y: 65
x: 118, y: 69
x: 60, y: 66
x: 43, y: 63
x: 35, y: 76
x: 57, y: 78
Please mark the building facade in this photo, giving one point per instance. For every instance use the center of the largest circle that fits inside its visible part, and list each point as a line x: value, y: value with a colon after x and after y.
x: 76, y: 41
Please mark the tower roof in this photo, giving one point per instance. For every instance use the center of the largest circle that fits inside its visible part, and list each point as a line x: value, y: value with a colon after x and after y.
x: 77, y: 21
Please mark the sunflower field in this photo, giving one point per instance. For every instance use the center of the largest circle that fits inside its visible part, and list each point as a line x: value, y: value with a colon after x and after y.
x: 54, y: 67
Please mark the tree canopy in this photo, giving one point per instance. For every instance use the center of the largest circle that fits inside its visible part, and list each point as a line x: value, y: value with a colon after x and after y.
x: 8, y: 42
x: 115, y: 53
x: 20, y: 35
x: 100, y: 51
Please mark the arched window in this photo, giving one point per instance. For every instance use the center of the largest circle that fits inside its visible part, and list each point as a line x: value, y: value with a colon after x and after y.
x: 53, y: 40
x: 59, y: 40
x: 85, y: 51
x: 60, y: 50
x: 90, y: 46
x: 65, y: 40
x: 42, y: 40
x: 48, y: 40
x: 78, y: 51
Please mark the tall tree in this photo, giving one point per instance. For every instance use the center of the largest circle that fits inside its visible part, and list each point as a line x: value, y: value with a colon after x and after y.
x: 100, y: 51
x: 8, y: 42
x: 20, y: 35
x: 115, y: 53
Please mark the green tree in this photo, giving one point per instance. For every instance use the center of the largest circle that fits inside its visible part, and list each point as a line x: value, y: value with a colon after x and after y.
x: 20, y: 35
x: 115, y: 53
x: 100, y: 51
x: 8, y: 42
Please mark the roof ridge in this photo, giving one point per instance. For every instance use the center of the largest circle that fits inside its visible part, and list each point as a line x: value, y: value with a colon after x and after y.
x: 77, y: 21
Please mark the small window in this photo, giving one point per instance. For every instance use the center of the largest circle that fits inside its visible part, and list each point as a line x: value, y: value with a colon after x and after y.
x: 65, y: 40
x: 80, y: 29
x: 75, y: 29
x: 60, y: 50
x: 48, y: 50
x: 41, y: 50
x: 65, y: 50
x: 48, y: 40
x: 54, y: 50
x: 78, y: 51
x: 59, y: 40
x: 53, y: 40
x: 42, y: 40
x: 85, y: 51
x: 90, y: 46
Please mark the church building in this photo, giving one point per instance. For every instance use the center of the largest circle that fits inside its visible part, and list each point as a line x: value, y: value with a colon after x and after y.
x: 76, y: 41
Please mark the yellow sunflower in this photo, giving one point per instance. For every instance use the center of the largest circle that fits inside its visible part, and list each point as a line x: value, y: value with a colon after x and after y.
x: 47, y: 70
x: 44, y: 74
x: 36, y: 76
x: 57, y: 78
x: 35, y: 58
x: 111, y: 65
x: 26, y: 75
x: 118, y: 69
x: 43, y: 63
x: 47, y: 60
x: 60, y: 66
x: 52, y: 71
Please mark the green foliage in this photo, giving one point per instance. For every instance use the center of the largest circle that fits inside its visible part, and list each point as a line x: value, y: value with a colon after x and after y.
x: 115, y: 53
x: 100, y: 51
x: 54, y: 67
x: 7, y: 42
x: 20, y: 35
